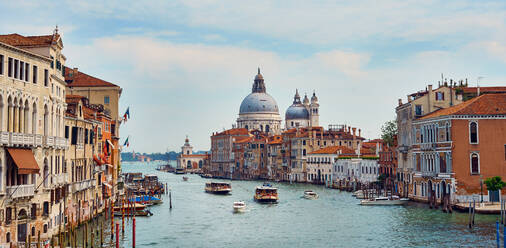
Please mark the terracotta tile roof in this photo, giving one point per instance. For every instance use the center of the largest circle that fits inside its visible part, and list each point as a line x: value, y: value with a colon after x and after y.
x: 242, y: 140
x: 18, y: 40
x: 498, y: 89
x: 234, y: 131
x: 275, y: 140
x: 76, y: 78
x: 334, y: 150
x: 488, y: 104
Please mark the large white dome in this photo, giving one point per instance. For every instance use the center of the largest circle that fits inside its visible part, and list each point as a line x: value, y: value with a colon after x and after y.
x: 258, y: 103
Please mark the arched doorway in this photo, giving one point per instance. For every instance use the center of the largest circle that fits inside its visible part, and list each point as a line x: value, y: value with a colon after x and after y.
x: 429, y: 189
x: 189, y: 164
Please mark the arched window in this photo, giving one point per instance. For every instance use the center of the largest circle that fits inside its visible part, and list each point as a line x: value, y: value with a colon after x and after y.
x: 447, y: 129
x: 475, y: 163
x: 46, y: 173
x: 267, y: 128
x: 200, y: 164
x: 304, y: 152
x: 414, y: 188
x: 261, y: 128
x: 46, y: 121
x: 473, y: 133
x: 25, y: 117
x: 8, y: 237
x: 246, y: 126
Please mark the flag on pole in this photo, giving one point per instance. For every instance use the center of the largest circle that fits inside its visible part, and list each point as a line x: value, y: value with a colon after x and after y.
x: 126, y: 116
x: 127, y: 143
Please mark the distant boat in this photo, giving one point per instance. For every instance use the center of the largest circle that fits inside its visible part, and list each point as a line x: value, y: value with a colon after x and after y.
x: 266, y: 194
x: 185, y: 178
x: 239, y: 207
x: 383, y: 201
x: 218, y: 188
x: 149, y: 200
x: 179, y: 171
x: 311, y: 195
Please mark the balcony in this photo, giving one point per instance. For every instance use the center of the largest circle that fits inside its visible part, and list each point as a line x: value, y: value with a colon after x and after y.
x: 17, y: 191
x: 49, y: 140
x: 429, y: 174
x: 60, y: 178
x: 4, y: 138
x: 82, y: 185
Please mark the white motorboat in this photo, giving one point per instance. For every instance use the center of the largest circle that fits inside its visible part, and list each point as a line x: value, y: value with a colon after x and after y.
x: 311, y: 195
x: 239, y: 207
x: 383, y: 201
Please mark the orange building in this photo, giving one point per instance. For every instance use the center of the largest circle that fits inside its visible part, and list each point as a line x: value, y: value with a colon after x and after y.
x: 455, y: 149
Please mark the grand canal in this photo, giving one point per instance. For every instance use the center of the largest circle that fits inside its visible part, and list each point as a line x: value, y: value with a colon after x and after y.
x: 334, y: 220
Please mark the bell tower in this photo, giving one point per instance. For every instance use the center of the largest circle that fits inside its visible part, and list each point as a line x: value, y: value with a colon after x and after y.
x: 314, y: 111
x: 187, y: 149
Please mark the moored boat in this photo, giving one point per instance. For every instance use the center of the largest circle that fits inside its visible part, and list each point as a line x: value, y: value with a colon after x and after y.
x: 266, y: 194
x: 383, y: 201
x: 128, y: 207
x: 239, y: 207
x: 218, y: 188
x: 146, y: 200
x: 311, y: 195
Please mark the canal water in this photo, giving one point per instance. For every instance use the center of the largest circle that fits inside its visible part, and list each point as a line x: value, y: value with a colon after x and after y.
x: 198, y: 219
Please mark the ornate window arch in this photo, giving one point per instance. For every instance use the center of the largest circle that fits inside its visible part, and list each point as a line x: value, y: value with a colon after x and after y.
x: 474, y: 163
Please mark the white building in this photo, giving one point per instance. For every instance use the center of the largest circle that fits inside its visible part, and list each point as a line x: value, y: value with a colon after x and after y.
x: 189, y: 161
x: 259, y: 110
x: 363, y: 170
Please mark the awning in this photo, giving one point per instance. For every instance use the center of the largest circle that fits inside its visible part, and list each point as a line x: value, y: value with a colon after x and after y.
x: 24, y: 160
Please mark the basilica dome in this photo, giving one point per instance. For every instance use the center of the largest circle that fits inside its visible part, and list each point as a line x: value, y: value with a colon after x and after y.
x: 258, y: 103
x: 297, y: 112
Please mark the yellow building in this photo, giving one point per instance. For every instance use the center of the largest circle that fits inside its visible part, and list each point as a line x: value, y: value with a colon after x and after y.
x: 32, y: 142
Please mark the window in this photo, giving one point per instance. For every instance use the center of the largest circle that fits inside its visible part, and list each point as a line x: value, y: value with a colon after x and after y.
x: 16, y: 68
x: 106, y: 99
x: 418, y: 110
x: 21, y: 70
x: 475, y: 163
x: 473, y: 133
x: 27, y: 72
x: 66, y: 132
x: 46, y: 77
x: 504, y: 152
x: 9, y: 68
x: 1, y: 64
x: 447, y: 128
x: 440, y: 96
x: 34, y: 74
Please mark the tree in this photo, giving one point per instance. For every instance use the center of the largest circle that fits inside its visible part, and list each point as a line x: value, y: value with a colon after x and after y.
x: 494, y: 183
x: 388, y: 131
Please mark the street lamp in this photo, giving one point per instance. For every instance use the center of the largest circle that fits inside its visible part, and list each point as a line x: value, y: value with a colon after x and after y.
x: 481, y: 187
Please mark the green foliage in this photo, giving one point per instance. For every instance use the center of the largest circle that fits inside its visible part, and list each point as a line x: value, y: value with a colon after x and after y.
x: 388, y: 131
x: 494, y: 183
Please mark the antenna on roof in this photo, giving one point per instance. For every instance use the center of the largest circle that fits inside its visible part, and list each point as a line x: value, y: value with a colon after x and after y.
x: 478, y: 85
x: 56, y: 29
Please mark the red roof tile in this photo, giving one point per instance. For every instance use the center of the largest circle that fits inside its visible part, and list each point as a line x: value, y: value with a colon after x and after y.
x: 234, y: 131
x: 334, y: 150
x: 498, y: 89
x: 76, y: 78
x: 488, y: 104
x: 18, y: 40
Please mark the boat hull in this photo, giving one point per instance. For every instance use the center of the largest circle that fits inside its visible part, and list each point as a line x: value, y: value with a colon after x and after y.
x: 219, y: 192
x: 310, y: 197
x: 266, y: 199
x: 382, y: 203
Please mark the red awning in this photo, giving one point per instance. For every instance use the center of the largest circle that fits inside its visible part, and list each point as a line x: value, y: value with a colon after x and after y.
x: 24, y: 160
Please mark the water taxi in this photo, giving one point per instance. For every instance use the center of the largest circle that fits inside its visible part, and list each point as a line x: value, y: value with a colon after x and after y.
x: 266, y: 194
x: 311, y: 195
x: 383, y: 201
x: 239, y: 207
x: 218, y: 188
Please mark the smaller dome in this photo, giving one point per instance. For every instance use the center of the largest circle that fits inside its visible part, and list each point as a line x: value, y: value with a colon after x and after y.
x: 314, y: 98
x: 306, y: 100
x: 297, y: 112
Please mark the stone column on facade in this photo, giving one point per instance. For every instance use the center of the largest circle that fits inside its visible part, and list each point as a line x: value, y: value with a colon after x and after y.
x: 9, y: 117
x: 21, y: 118
x: 16, y: 118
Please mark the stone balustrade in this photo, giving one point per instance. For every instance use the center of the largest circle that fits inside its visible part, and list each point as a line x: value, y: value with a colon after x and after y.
x: 32, y: 140
x: 16, y: 191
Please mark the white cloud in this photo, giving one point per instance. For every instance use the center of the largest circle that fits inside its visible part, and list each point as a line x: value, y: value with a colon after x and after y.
x: 349, y: 63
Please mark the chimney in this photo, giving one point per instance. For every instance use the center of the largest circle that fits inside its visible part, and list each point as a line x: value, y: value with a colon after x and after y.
x: 349, y: 129
x: 400, y: 102
x: 354, y: 131
x: 409, y: 98
x: 75, y: 71
x: 359, y: 131
x: 430, y: 88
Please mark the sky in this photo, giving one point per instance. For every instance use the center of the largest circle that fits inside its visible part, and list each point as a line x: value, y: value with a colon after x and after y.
x: 185, y: 66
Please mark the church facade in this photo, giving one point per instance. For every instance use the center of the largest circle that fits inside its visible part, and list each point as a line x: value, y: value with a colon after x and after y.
x: 259, y: 111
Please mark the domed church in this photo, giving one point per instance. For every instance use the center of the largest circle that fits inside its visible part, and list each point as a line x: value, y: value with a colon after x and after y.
x: 259, y: 110
x: 302, y: 114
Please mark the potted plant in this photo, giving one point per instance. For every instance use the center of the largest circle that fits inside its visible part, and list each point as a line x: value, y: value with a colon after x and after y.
x: 494, y: 185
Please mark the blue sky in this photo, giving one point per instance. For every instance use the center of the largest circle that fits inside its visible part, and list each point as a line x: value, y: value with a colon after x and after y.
x: 185, y: 66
